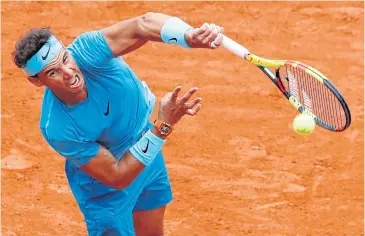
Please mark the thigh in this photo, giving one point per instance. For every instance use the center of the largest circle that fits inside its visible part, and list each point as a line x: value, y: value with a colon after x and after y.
x: 119, y: 225
x: 149, y: 222
x: 156, y: 193
x: 148, y: 213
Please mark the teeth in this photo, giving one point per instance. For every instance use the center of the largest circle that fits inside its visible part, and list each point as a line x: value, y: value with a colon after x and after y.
x: 74, y: 82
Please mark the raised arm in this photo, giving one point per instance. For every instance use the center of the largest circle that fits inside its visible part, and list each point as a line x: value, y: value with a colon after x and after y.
x: 128, y: 35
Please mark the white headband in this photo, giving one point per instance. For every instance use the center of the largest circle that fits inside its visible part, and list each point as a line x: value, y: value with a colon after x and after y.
x: 44, y: 56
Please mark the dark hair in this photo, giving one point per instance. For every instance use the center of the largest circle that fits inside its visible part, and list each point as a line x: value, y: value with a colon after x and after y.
x: 29, y: 44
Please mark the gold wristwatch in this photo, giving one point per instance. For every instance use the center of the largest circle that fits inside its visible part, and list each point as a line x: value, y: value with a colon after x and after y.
x: 163, y: 127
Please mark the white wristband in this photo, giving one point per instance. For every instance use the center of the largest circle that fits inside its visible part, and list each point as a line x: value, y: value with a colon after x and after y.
x: 173, y: 32
x: 147, y: 148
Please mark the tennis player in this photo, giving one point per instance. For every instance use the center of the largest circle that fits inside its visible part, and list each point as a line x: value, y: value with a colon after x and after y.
x: 96, y: 114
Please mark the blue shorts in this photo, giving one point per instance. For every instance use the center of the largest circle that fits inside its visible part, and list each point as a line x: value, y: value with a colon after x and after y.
x: 108, y: 211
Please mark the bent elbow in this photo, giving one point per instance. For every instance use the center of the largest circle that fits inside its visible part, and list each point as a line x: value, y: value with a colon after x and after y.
x: 147, y: 17
x: 144, y: 24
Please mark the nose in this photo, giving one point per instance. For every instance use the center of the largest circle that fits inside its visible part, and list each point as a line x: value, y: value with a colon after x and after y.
x: 67, y: 72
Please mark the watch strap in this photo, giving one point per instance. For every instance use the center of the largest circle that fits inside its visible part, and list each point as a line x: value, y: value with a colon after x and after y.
x: 161, y: 126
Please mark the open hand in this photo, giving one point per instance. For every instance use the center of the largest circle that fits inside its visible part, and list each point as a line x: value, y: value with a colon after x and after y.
x: 173, y: 108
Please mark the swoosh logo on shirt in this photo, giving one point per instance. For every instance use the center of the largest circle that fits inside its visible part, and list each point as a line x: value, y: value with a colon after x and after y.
x: 107, y: 110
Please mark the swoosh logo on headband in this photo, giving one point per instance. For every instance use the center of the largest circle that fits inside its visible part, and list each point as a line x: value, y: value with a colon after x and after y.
x: 173, y: 39
x: 45, y: 56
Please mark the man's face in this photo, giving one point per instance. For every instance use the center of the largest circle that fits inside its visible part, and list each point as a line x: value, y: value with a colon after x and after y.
x: 62, y: 74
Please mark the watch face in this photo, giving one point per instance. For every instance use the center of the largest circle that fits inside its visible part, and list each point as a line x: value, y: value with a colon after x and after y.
x: 165, y: 129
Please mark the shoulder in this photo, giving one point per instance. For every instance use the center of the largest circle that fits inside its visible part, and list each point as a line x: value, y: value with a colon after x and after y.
x: 84, y: 39
x: 54, y: 121
x: 90, y: 49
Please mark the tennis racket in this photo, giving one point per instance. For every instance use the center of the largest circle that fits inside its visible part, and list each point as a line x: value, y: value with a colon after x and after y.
x: 308, y: 90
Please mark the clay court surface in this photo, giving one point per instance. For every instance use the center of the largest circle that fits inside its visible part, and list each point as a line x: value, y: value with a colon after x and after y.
x: 237, y: 168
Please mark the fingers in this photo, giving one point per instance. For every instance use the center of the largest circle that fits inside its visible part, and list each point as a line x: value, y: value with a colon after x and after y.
x: 204, y: 32
x: 194, y: 106
x: 213, y: 34
x: 193, y: 111
x: 217, y: 41
x: 210, y: 35
x: 193, y: 103
x: 197, y: 32
x: 172, y: 108
x: 175, y: 93
x: 188, y: 95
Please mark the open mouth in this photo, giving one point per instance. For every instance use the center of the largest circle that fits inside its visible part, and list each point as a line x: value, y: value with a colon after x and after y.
x: 75, y: 82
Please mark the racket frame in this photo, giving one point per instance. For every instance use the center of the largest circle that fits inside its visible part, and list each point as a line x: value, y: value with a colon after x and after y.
x: 263, y: 65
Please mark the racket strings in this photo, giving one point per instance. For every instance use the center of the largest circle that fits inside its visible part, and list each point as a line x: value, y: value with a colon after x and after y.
x: 313, y: 95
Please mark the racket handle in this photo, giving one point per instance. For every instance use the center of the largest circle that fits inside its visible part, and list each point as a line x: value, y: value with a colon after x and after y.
x: 234, y: 47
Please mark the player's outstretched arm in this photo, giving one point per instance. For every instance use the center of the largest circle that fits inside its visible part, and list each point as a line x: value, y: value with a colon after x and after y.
x: 128, y: 35
x: 120, y: 174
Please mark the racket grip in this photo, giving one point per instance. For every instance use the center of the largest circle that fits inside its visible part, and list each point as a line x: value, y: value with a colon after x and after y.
x: 235, y: 47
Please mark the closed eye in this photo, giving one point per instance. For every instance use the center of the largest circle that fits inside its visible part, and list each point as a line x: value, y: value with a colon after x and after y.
x: 65, y: 57
x: 51, y: 73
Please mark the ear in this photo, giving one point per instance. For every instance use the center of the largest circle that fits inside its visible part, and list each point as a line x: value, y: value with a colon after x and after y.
x: 35, y: 81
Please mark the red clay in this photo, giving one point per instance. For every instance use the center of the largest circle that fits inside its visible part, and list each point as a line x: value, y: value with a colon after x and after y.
x: 237, y: 168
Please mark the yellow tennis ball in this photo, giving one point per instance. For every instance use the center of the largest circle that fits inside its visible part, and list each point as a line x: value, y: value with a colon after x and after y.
x: 304, y: 124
